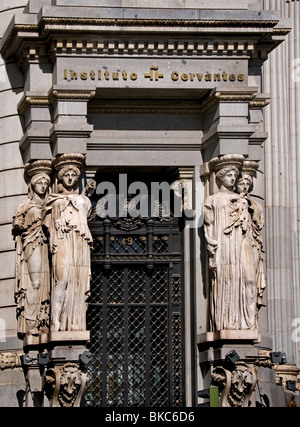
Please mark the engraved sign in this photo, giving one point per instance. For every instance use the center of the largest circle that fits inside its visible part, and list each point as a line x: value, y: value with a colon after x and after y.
x: 191, y: 74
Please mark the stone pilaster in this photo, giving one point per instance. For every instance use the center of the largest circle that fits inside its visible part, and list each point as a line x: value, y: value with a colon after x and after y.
x: 229, y: 129
x: 36, y: 111
x: 70, y: 130
x: 66, y: 375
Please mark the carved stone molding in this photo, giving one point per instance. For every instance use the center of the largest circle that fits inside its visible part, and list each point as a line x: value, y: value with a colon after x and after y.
x: 195, y: 23
x: 235, y: 386
x: 39, y: 30
x: 259, y: 103
x: 64, y: 386
x: 248, y: 95
x: 71, y: 95
x: 286, y: 373
x: 173, y: 47
x: 11, y: 42
x: 46, y: 100
x: 100, y: 106
x: 10, y: 360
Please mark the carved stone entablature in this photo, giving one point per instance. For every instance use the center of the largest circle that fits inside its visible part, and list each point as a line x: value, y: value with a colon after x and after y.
x: 235, y: 386
x: 64, y: 386
x: 37, y: 29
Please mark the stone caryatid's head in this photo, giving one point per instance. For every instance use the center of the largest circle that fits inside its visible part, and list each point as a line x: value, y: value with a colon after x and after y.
x: 38, y: 177
x: 245, y: 179
x: 226, y: 169
x: 69, y: 168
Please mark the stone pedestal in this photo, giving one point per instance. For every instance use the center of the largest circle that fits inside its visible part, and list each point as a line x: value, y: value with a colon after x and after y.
x: 55, y: 365
x: 229, y: 335
x: 69, y: 336
x: 230, y: 356
x: 66, y: 376
x: 33, y: 366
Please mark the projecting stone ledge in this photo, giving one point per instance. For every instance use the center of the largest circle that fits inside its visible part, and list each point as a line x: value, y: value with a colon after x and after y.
x: 74, y: 336
x: 229, y: 335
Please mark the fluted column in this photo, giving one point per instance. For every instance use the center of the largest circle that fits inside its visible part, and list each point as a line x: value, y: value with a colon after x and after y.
x: 282, y: 178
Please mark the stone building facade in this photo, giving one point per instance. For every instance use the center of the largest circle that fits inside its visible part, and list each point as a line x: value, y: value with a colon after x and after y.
x: 151, y: 95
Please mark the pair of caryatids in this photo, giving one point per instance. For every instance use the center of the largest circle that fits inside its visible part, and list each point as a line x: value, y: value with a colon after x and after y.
x: 53, y: 243
x: 233, y: 224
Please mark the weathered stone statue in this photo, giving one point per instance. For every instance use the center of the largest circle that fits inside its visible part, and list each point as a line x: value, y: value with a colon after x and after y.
x: 69, y: 242
x: 255, y: 279
x: 233, y: 222
x: 225, y: 216
x: 32, y: 267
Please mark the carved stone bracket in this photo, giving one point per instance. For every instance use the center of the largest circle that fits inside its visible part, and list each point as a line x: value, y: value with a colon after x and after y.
x: 64, y: 386
x: 235, y: 386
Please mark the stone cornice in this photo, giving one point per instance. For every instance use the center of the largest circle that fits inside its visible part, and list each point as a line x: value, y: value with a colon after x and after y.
x: 195, y: 23
x: 46, y: 25
x: 36, y: 101
x: 11, y: 41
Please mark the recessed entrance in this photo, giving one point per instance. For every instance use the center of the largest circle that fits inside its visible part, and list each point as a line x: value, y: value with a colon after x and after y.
x: 136, y: 313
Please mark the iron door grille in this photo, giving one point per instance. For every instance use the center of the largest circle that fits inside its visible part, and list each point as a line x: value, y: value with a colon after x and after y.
x: 135, y: 317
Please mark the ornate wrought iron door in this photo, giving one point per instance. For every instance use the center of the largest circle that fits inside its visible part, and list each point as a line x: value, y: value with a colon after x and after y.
x: 135, y: 314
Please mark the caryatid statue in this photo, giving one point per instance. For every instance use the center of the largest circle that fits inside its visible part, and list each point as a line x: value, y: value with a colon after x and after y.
x: 256, y: 283
x: 70, y: 243
x: 224, y: 214
x: 232, y: 222
x: 32, y: 292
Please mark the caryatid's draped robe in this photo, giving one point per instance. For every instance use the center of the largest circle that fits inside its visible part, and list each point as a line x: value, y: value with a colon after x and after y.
x: 226, y: 222
x: 70, y: 245
x: 254, y: 243
x: 32, y: 294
